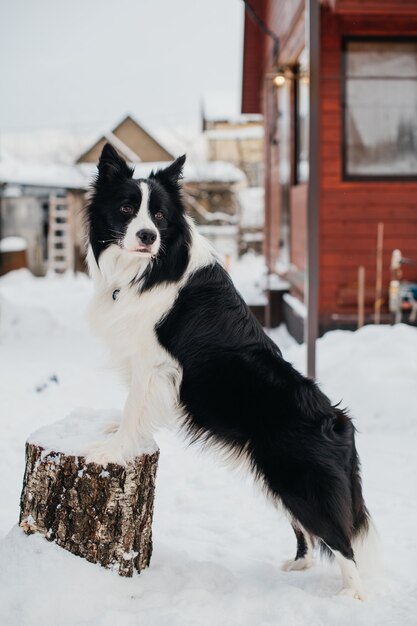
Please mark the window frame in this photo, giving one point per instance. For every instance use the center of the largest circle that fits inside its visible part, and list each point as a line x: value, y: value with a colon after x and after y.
x: 365, y: 177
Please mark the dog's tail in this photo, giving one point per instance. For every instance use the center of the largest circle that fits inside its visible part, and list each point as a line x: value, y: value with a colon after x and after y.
x: 365, y: 541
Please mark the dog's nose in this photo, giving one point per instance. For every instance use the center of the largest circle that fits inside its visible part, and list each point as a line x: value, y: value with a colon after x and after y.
x: 146, y: 236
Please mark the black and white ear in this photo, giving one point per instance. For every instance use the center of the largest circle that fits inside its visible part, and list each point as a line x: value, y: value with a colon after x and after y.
x: 171, y: 175
x: 112, y: 166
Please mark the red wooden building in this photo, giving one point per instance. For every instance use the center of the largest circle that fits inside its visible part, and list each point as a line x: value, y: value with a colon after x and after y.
x: 337, y: 83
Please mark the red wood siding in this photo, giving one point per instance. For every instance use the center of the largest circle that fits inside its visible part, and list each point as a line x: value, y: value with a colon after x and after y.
x: 350, y: 211
x: 253, y: 61
x: 286, y: 19
x: 389, y: 7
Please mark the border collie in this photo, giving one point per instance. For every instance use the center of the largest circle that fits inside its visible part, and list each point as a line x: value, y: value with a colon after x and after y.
x: 188, y: 347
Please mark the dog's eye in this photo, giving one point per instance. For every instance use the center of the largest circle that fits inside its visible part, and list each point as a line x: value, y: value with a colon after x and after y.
x: 159, y: 215
x: 126, y: 209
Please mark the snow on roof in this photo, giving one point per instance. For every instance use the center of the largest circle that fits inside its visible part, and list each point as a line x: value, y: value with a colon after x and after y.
x: 121, y: 147
x: 80, y: 176
x: 47, y: 145
x: 210, y: 171
x: 251, y: 201
x: 213, y: 171
x: 246, y: 132
x: 183, y: 139
x: 12, y: 244
x: 41, y: 174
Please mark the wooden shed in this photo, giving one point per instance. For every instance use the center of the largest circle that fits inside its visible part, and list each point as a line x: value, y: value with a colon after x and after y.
x: 342, y: 76
x: 133, y: 142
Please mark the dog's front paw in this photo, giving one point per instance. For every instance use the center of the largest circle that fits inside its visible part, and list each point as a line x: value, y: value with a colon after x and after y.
x: 111, y: 450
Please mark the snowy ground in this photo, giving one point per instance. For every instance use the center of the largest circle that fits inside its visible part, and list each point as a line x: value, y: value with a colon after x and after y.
x: 218, y: 544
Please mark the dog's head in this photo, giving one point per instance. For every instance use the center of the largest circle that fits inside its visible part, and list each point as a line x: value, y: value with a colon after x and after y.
x: 144, y: 217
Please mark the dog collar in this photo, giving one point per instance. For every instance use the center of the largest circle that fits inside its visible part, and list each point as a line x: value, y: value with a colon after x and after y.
x: 115, y: 294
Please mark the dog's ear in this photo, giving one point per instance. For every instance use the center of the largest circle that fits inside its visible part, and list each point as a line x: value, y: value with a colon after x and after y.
x: 112, y: 166
x: 170, y: 176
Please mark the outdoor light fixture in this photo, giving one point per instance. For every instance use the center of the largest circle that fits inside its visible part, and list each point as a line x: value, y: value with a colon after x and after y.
x: 279, y: 80
x: 286, y: 72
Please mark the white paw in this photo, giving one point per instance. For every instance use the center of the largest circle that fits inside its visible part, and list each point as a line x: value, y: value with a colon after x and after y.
x: 111, y: 450
x: 297, y: 565
x: 350, y: 592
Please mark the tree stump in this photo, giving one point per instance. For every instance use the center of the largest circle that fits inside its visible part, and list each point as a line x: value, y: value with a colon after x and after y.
x: 102, y: 515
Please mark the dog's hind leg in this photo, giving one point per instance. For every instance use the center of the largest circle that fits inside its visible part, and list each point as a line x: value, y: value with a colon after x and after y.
x: 352, y: 584
x: 304, y: 557
x: 326, y: 521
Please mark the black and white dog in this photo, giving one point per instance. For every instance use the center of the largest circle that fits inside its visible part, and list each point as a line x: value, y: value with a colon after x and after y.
x: 189, y: 347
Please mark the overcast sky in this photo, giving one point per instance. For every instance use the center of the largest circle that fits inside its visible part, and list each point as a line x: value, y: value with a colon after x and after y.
x: 83, y: 64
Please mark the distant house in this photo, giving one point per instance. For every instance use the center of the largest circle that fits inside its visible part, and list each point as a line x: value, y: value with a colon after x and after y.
x: 239, y: 139
x: 27, y: 193
x: 132, y: 141
x: 43, y: 202
x: 336, y: 81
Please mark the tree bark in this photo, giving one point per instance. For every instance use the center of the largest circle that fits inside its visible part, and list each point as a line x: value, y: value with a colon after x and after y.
x: 102, y: 515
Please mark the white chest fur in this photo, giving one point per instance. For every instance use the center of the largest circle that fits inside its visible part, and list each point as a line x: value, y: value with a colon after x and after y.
x: 126, y: 320
x: 127, y: 325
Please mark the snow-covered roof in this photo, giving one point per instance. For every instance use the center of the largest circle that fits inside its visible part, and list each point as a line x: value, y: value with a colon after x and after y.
x: 209, y: 171
x: 80, y: 176
x: 213, y: 171
x: 245, y: 132
x: 46, y: 145
x: 36, y: 174
x: 12, y: 244
x: 121, y: 147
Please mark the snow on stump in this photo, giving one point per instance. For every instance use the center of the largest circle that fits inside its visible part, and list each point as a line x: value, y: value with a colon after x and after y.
x: 102, y: 515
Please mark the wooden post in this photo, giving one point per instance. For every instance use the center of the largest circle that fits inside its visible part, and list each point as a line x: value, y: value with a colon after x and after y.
x: 378, y: 284
x: 361, y: 296
x: 101, y: 514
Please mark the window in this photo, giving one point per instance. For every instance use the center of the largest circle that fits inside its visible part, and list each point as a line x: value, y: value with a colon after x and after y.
x: 380, y: 109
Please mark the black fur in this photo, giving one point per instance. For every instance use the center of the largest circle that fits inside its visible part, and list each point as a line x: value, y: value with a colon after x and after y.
x: 236, y: 388
x: 302, y: 547
x: 115, y: 187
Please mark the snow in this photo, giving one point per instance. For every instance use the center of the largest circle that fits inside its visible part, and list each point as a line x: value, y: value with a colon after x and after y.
x: 218, y: 543
x: 252, y: 207
x: 12, y: 244
x: 247, y: 273
x: 15, y: 171
x: 213, y: 171
x: 63, y: 147
x: 80, y: 176
x: 236, y: 134
x: 46, y: 146
x: 210, y: 171
x: 74, y: 433
x: 296, y: 305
